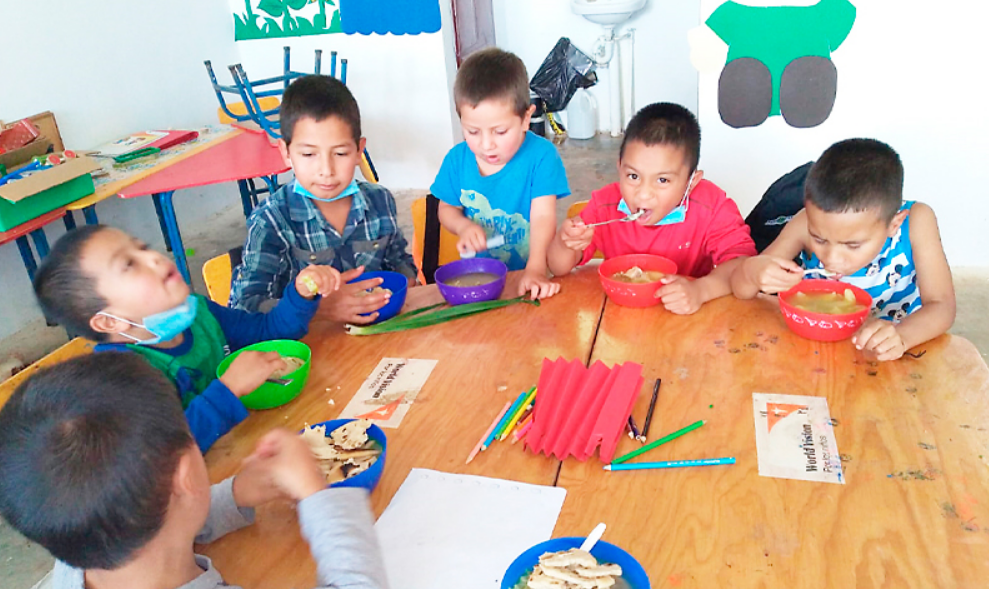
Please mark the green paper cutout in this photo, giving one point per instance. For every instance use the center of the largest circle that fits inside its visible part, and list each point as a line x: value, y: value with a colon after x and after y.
x: 779, y: 35
x: 281, y: 18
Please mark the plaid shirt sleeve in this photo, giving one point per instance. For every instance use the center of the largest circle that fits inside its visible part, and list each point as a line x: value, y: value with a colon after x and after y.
x: 265, y: 268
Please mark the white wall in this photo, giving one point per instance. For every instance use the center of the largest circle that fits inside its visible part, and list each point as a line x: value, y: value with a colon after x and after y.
x: 109, y: 68
x: 912, y: 74
x: 401, y: 83
x: 530, y: 28
x: 106, y: 69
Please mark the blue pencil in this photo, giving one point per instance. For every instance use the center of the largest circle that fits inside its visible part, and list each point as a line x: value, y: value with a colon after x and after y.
x: 504, y: 420
x: 669, y: 464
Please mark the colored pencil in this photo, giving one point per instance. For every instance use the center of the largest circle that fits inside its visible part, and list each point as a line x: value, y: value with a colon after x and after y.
x: 670, y: 464
x: 652, y: 407
x: 518, y: 407
x: 526, y: 403
x: 523, y: 425
x: 480, y: 442
x: 522, y: 431
x: 633, y: 429
x: 504, y: 419
x: 658, y: 442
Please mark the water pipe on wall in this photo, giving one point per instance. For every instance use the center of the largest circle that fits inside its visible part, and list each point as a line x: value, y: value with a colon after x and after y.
x: 605, y: 49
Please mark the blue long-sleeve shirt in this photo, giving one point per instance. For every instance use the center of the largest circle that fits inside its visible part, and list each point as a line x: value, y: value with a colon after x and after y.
x: 216, y: 410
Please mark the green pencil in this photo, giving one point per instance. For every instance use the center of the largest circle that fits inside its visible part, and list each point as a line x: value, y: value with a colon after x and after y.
x: 658, y: 442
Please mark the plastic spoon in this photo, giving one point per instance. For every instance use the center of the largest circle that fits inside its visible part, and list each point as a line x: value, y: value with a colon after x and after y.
x: 493, y: 242
x: 593, y: 537
x: 626, y: 219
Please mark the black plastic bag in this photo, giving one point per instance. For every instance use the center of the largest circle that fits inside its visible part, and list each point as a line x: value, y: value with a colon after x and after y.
x: 565, y: 69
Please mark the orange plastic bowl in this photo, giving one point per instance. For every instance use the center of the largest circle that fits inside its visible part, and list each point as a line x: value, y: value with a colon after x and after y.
x: 633, y: 295
x: 822, y: 326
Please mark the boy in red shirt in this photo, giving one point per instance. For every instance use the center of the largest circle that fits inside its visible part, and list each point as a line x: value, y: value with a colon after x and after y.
x: 681, y: 216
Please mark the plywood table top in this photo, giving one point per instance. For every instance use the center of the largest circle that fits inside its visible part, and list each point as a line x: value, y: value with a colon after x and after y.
x: 484, y: 361
x: 914, y: 511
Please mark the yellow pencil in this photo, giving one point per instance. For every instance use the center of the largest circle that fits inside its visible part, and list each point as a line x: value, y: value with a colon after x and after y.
x: 518, y: 413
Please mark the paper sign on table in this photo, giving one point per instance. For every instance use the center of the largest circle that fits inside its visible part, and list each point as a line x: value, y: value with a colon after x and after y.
x: 795, y: 438
x: 386, y: 395
x: 445, y: 530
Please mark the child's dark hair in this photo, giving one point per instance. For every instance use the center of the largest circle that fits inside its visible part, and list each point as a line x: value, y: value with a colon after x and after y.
x: 68, y: 296
x: 665, y: 123
x: 88, y: 451
x: 857, y: 175
x: 318, y: 97
x: 492, y: 74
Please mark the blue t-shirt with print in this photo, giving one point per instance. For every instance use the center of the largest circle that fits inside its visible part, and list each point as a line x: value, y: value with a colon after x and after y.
x: 500, y: 203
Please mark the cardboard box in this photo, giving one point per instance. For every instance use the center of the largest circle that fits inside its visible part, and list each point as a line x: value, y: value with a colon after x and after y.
x: 44, y: 191
x: 18, y: 157
x: 49, y: 141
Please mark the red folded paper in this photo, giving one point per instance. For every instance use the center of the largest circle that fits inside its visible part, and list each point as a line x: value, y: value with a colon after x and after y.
x: 580, y: 410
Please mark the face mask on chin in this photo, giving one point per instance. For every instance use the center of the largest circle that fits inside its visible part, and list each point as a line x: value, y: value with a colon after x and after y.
x: 165, y: 325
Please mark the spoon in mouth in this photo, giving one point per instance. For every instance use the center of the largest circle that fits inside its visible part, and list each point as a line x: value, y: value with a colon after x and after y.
x: 626, y: 219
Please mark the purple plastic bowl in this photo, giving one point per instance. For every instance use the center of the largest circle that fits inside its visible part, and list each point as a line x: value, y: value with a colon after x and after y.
x: 459, y: 295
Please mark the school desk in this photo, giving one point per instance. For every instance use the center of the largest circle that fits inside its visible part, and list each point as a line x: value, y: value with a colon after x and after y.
x: 912, y: 514
x: 478, y: 371
x: 242, y: 157
x: 116, y: 178
x: 36, y: 229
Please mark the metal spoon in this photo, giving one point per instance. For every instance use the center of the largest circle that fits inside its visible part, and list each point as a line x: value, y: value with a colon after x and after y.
x: 626, y: 219
x: 280, y: 381
x: 822, y: 272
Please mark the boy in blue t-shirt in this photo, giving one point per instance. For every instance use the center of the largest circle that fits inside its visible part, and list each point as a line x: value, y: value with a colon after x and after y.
x: 502, y: 180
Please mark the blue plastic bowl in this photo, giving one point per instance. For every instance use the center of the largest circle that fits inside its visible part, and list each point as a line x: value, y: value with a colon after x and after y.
x: 397, y: 283
x: 632, y: 571
x: 459, y: 295
x: 370, y: 477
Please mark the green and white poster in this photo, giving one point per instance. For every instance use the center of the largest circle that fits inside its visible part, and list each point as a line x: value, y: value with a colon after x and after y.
x: 270, y: 19
x: 775, y: 58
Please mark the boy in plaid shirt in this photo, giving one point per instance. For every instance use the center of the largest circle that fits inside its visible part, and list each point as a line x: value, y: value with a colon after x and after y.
x: 325, y: 217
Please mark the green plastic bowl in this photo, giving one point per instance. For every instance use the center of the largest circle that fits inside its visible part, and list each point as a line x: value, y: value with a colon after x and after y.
x: 270, y: 395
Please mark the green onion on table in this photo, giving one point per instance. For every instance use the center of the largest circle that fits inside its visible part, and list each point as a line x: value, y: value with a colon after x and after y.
x: 433, y: 316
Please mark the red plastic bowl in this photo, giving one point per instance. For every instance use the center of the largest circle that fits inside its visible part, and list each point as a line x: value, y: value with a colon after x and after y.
x: 823, y: 327
x: 634, y: 295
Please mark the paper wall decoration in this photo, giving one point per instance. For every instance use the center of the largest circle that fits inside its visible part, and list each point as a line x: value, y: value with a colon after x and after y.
x: 778, y: 59
x: 268, y: 19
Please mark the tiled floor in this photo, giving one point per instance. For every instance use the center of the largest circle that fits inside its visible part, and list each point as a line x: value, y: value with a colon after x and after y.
x: 590, y: 165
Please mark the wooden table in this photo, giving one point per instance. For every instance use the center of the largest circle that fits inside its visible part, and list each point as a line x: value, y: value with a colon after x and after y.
x: 912, y: 433
x: 484, y: 361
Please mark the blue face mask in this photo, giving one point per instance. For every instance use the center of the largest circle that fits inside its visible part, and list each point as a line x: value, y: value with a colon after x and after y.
x: 350, y: 190
x: 165, y: 325
x: 674, y: 217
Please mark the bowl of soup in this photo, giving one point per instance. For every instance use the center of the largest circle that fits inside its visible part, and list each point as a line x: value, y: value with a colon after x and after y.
x: 825, y: 310
x: 471, y: 280
x: 560, y: 559
x: 633, y: 279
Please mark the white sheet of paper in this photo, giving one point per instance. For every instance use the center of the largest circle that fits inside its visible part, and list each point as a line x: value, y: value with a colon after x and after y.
x: 445, y: 530
x: 795, y: 438
x: 388, y: 393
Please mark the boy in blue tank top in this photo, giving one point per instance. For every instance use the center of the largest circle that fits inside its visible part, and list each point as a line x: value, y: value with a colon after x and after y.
x: 856, y: 226
x: 503, y: 180
x: 109, y: 287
